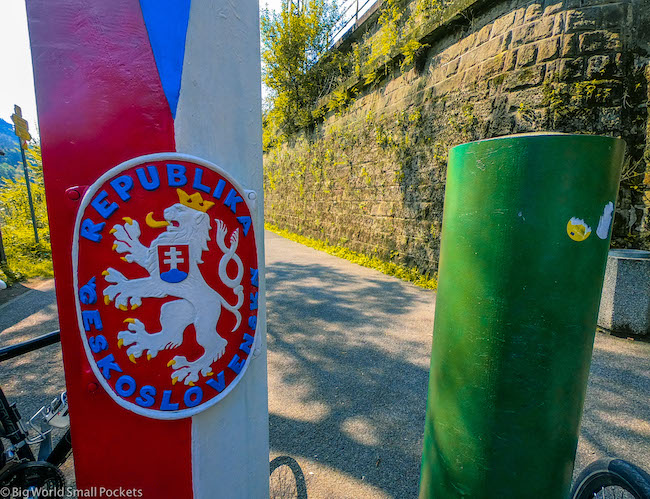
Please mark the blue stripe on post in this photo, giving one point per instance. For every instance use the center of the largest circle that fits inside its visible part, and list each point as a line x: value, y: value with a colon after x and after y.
x: 166, y: 22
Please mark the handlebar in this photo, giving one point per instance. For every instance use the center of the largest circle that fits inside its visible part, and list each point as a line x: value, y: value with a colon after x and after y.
x: 45, y: 340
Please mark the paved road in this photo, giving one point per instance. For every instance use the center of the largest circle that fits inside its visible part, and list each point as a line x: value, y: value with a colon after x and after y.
x: 34, y: 379
x: 348, y: 367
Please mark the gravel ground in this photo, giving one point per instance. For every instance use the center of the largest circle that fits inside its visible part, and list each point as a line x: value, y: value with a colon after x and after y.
x: 35, y: 379
x: 348, y: 369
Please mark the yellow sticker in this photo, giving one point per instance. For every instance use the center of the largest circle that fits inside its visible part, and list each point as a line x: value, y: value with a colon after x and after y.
x: 577, y: 229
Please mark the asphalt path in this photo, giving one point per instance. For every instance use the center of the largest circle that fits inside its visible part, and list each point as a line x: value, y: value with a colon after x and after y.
x: 348, y: 369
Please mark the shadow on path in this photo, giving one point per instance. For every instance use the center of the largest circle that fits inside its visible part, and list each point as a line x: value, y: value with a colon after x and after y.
x: 348, y: 371
x: 334, y: 347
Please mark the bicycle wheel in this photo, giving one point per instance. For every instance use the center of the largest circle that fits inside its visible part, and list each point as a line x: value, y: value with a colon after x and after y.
x: 287, y: 479
x: 32, y: 479
x: 612, y: 478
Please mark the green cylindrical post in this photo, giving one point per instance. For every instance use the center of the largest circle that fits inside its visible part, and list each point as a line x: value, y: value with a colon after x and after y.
x: 526, y: 231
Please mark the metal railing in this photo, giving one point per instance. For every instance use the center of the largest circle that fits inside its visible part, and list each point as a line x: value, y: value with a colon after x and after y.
x: 351, y: 11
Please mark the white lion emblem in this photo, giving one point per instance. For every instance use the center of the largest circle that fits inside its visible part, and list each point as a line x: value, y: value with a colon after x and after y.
x: 187, y: 224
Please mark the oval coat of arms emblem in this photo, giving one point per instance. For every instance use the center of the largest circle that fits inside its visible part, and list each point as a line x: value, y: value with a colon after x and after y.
x: 166, y: 280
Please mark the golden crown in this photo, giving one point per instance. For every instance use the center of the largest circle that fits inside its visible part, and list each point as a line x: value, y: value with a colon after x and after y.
x: 195, y: 201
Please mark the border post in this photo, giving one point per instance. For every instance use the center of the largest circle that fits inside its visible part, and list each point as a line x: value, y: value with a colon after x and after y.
x: 150, y: 122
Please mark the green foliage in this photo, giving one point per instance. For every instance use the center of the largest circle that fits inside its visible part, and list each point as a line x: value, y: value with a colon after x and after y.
x: 410, y: 50
x: 339, y: 100
x: 398, y: 23
x: 409, y: 274
x: 388, y: 35
x: 307, y: 80
x: 427, y: 9
x: 25, y: 258
x: 293, y: 42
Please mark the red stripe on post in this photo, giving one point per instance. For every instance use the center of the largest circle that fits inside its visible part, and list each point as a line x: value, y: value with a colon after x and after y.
x: 100, y: 102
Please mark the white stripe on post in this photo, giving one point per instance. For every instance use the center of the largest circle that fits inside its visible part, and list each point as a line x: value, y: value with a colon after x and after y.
x: 219, y: 119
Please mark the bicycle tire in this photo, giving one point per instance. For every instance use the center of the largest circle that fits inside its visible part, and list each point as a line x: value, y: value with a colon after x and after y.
x: 34, y: 476
x: 611, y: 473
x: 298, y: 475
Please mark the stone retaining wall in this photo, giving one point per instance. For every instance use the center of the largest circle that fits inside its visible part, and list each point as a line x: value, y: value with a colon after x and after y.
x: 371, y: 176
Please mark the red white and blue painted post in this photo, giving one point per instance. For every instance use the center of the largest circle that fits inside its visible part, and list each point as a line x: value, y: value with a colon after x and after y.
x: 150, y: 122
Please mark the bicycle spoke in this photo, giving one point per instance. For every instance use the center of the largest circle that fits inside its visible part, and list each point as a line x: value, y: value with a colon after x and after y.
x: 612, y: 492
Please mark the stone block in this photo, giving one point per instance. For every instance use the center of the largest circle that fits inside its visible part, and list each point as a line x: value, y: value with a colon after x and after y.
x: 569, y: 45
x: 482, y: 110
x: 583, y: 19
x: 441, y: 72
x: 571, y: 68
x: 466, y: 43
x: 489, y: 49
x: 610, y: 118
x: 564, y: 69
x: 506, y: 41
x: 510, y: 60
x: 526, y: 55
x: 471, y: 77
x: 599, y: 41
x: 554, y: 8
x: 448, y: 85
x: 548, y: 49
x: 483, y: 35
x: 529, y: 98
x: 532, y: 32
x: 521, y: 35
x: 450, y: 53
x: 501, y: 125
x: 492, y: 66
x: 391, y: 86
x: 502, y: 24
x: 494, y: 84
x: 559, y: 24
x: 533, y: 12
x: 382, y: 209
x: 452, y: 67
x: 613, y: 15
x: 598, y: 66
x: 467, y: 61
x: 524, y: 77
x: 625, y: 302
x: 520, y: 14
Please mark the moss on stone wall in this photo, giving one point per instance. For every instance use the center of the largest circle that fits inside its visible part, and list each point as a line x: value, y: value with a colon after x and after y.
x: 405, y: 273
x: 370, y: 177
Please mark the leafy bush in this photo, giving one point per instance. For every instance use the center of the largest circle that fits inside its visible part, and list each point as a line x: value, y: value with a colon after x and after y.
x: 25, y: 257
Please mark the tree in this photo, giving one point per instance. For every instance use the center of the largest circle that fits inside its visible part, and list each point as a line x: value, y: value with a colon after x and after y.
x: 25, y: 257
x: 293, y: 42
